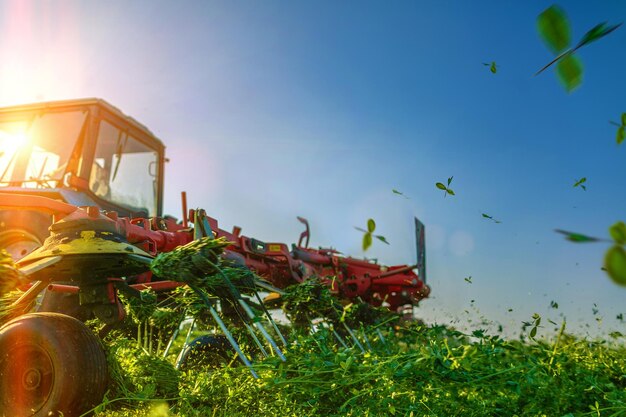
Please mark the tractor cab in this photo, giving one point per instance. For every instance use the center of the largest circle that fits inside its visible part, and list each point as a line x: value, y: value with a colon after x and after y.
x: 83, y: 152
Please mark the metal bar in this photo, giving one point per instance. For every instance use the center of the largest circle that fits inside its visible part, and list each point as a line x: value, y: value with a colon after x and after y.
x: 259, y: 326
x: 367, y: 341
x: 232, y: 341
x: 271, y: 320
x: 256, y: 340
x: 180, y: 355
x: 380, y: 335
x: 339, y: 338
x: 268, y: 287
x: 171, y: 341
x: 354, y: 338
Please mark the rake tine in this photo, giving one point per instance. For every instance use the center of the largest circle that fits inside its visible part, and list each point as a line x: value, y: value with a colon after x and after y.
x: 354, y: 338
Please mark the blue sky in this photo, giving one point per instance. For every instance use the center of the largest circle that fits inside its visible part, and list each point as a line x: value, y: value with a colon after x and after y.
x: 271, y: 110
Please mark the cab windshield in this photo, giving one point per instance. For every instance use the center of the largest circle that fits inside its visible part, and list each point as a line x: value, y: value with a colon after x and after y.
x: 125, y: 170
x: 35, y: 150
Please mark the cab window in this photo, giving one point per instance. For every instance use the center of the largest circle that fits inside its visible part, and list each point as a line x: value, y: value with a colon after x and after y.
x: 124, y: 170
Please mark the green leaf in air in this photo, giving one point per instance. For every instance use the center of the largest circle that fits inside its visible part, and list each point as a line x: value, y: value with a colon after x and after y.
x: 399, y: 193
x: 598, y: 31
x: 623, y: 119
x: 486, y: 216
x: 493, y: 67
x: 621, y: 134
x: 618, y: 233
x: 371, y: 225
x: 577, y: 237
x: 570, y: 72
x: 580, y: 183
x: 468, y: 279
x: 450, y: 180
x: 615, y: 264
x: 449, y: 191
x: 381, y: 238
x: 533, y: 332
x: 440, y: 186
x: 367, y: 241
x: 554, y: 29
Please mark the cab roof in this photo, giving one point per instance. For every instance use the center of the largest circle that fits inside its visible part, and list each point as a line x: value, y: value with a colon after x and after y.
x: 82, y: 103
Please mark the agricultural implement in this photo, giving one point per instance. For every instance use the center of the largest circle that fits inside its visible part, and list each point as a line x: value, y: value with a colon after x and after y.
x: 81, y: 192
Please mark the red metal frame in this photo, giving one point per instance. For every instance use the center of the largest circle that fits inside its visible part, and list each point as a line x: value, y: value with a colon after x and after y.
x: 345, y: 276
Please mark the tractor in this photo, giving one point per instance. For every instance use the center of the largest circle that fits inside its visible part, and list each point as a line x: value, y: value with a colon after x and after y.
x: 81, y: 196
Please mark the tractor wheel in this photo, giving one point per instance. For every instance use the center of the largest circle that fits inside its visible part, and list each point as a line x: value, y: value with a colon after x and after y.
x: 21, y: 232
x: 50, y: 365
x: 208, y: 351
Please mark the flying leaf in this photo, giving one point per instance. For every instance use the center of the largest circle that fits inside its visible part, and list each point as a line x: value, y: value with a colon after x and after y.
x: 580, y: 183
x: 381, y: 238
x: 570, y: 72
x: 554, y: 28
x: 621, y: 134
x: 492, y: 67
x: 598, y: 31
x: 399, y: 193
x: 449, y: 191
x: 486, y: 216
x: 440, y: 186
x: 371, y: 225
x: 533, y: 332
x: 450, y: 180
x: 367, y: 241
x: 578, y: 238
x: 618, y: 233
x: 360, y: 229
x: 468, y: 279
x: 623, y: 119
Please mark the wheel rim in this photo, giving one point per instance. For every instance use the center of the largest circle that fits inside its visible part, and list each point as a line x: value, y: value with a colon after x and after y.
x: 28, y: 376
x: 18, y: 243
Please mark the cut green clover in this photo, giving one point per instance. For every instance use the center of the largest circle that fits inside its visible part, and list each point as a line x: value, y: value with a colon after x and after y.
x: 368, y: 234
x: 554, y: 29
x: 493, y: 67
x: 580, y: 183
x: 447, y: 190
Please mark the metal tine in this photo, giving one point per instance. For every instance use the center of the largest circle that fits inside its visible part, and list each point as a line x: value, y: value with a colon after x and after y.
x: 256, y: 340
x: 174, y: 336
x: 270, y: 319
x: 326, y: 325
x: 354, y: 338
x: 259, y: 326
x: 180, y: 355
x: 380, y: 335
x: 228, y: 335
x: 367, y: 341
x: 205, y: 229
x: 337, y: 336
x: 232, y: 341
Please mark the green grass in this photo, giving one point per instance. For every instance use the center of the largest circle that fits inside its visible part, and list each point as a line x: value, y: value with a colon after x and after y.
x: 419, y: 371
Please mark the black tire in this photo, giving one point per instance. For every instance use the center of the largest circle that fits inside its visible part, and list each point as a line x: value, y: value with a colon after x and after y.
x: 50, y: 365
x: 208, y: 351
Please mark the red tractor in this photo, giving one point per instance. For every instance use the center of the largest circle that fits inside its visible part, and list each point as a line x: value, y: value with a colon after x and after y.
x: 81, y: 193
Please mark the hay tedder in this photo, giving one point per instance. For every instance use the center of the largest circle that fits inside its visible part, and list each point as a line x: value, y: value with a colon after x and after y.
x: 81, y: 194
